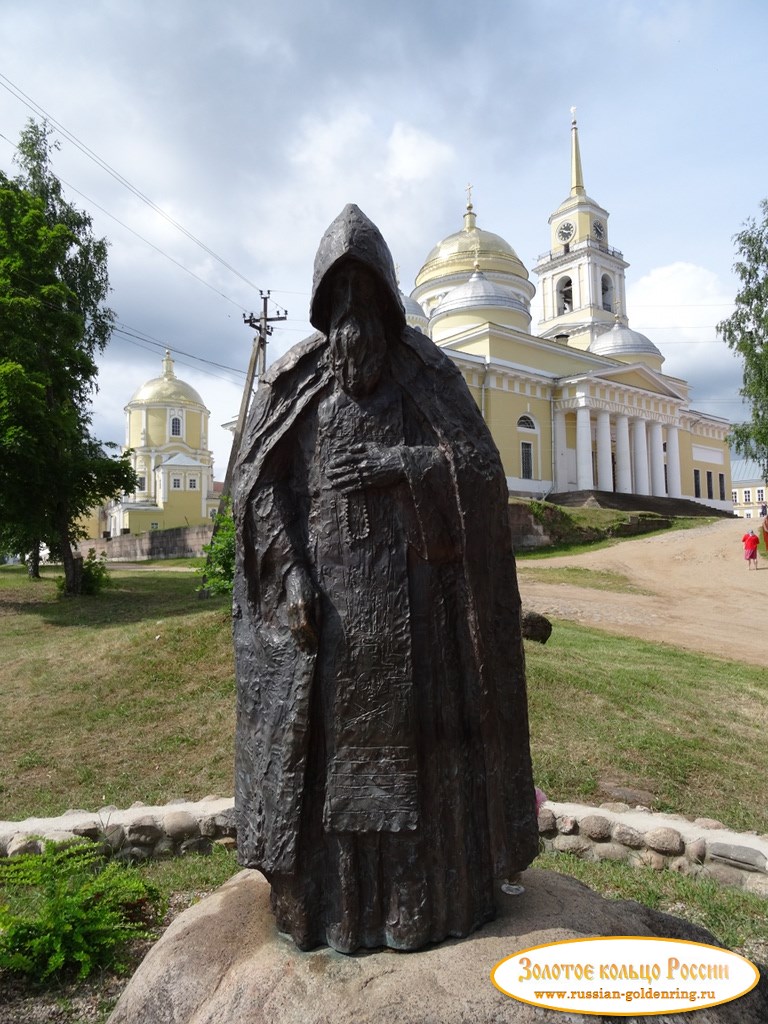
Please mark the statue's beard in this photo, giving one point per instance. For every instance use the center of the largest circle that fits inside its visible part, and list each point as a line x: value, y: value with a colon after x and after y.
x: 358, y: 350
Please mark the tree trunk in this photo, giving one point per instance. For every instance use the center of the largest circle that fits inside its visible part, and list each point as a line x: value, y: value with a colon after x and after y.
x: 73, y: 577
x: 33, y: 562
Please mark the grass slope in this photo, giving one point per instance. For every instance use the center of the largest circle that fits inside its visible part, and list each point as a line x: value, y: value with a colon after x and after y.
x: 130, y: 696
x: 111, y: 699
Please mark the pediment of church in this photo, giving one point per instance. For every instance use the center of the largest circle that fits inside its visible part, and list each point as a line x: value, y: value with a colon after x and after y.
x: 637, y: 375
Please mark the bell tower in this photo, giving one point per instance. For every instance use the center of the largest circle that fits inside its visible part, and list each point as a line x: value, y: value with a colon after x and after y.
x: 581, y: 278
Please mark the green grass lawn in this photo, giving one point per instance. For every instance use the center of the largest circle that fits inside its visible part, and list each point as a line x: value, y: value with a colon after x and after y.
x: 685, y: 726
x: 579, y: 576
x: 125, y: 696
x: 130, y: 696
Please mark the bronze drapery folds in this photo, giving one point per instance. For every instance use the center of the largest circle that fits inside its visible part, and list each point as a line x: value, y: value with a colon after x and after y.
x: 383, y: 778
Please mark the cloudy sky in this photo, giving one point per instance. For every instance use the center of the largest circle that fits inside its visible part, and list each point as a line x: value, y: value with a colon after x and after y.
x: 250, y: 125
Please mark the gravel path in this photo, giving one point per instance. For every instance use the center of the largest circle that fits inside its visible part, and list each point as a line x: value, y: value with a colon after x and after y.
x: 699, y: 593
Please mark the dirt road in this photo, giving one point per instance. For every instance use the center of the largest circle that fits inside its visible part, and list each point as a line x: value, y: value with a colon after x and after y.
x: 699, y: 593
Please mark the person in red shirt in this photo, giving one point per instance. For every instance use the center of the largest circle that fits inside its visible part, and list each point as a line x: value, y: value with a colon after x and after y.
x: 750, y: 541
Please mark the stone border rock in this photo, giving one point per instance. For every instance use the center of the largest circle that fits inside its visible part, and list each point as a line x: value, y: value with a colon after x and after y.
x: 136, y: 834
x: 701, y: 847
x: 613, y: 831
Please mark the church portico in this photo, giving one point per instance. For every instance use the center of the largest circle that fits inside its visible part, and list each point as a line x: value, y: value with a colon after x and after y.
x: 628, y: 452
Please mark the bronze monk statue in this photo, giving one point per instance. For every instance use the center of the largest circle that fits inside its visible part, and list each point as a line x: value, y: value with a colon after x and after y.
x: 383, y: 776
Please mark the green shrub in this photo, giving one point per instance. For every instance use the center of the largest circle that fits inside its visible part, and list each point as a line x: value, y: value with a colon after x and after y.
x: 95, y: 575
x: 69, y: 909
x: 219, y: 570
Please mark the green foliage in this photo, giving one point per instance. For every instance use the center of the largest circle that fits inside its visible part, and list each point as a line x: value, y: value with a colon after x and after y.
x: 218, y: 573
x: 746, y: 332
x: 69, y: 910
x: 94, y: 574
x: 53, y: 324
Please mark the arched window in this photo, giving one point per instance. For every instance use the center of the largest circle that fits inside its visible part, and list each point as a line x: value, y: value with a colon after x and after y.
x: 564, y: 296
x: 526, y: 423
x: 175, y: 426
x: 607, y: 289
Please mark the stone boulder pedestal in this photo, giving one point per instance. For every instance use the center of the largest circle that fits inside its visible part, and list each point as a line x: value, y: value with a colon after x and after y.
x: 223, y: 961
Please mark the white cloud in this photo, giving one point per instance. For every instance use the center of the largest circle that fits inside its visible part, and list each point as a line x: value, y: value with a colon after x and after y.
x: 678, y: 306
x: 414, y: 155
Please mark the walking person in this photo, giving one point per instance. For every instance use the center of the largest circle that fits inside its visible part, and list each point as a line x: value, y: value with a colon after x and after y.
x: 750, y: 541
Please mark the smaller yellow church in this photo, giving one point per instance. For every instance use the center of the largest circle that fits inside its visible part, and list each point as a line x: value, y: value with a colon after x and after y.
x: 167, y: 435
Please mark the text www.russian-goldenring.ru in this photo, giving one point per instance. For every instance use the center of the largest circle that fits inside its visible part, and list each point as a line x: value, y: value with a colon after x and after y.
x: 628, y: 997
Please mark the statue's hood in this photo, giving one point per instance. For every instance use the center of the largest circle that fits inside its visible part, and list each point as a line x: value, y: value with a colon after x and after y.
x: 352, y: 236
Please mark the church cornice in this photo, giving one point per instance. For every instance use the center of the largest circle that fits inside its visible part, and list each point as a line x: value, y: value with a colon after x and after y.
x: 552, y: 259
x: 632, y: 412
x: 533, y: 341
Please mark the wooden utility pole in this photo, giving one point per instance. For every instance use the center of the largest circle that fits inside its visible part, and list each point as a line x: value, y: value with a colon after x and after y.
x: 257, y: 364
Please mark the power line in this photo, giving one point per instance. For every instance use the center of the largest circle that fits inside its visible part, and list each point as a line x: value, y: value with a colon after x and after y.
x: 126, y: 331
x: 141, y: 238
x: 19, y: 94
x: 131, y: 339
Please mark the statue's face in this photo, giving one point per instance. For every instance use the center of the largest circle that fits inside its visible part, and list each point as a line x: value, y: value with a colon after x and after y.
x: 357, y: 333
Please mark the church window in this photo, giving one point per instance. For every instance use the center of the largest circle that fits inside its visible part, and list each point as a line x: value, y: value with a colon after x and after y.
x: 564, y: 296
x: 526, y: 460
x: 697, y: 483
x: 176, y: 483
x: 721, y: 485
x: 747, y: 496
x: 748, y: 514
x: 192, y: 484
x: 176, y: 426
x: 154, y: 526
x: 526, y: 423
x: 607, y: 292
x: 734, y: 497
x: 141, y: 483
x: 760, y: 496
x: 710, y: 488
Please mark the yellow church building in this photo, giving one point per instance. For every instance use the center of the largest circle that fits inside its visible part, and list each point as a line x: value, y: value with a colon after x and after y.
x: 583, y: 404
x: 167, y: 435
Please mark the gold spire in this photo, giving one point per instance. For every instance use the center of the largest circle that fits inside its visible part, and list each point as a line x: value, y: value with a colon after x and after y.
x: 577, y: 177
x: 470, y: 218
x: 168, y: 365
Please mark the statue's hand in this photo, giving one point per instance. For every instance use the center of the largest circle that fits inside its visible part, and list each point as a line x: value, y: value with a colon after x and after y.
x: 300, y: 605
x: 366, y: 465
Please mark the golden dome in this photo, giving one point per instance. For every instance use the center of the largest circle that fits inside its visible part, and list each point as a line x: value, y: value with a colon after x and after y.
x: 459, y: 252
x: 167, y: 389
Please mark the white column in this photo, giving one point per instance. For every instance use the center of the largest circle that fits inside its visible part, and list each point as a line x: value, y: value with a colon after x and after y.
x: 640, y: 457
x: 584, y: 477
x: 560, y: 478
x: 673, y: 463
x: 604, y: 464
x: 658, y: 486
x: 623, y: 459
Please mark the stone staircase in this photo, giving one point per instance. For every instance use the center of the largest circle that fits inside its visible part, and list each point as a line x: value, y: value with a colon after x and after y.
x: 636, y: 503
x: 527, y: 532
